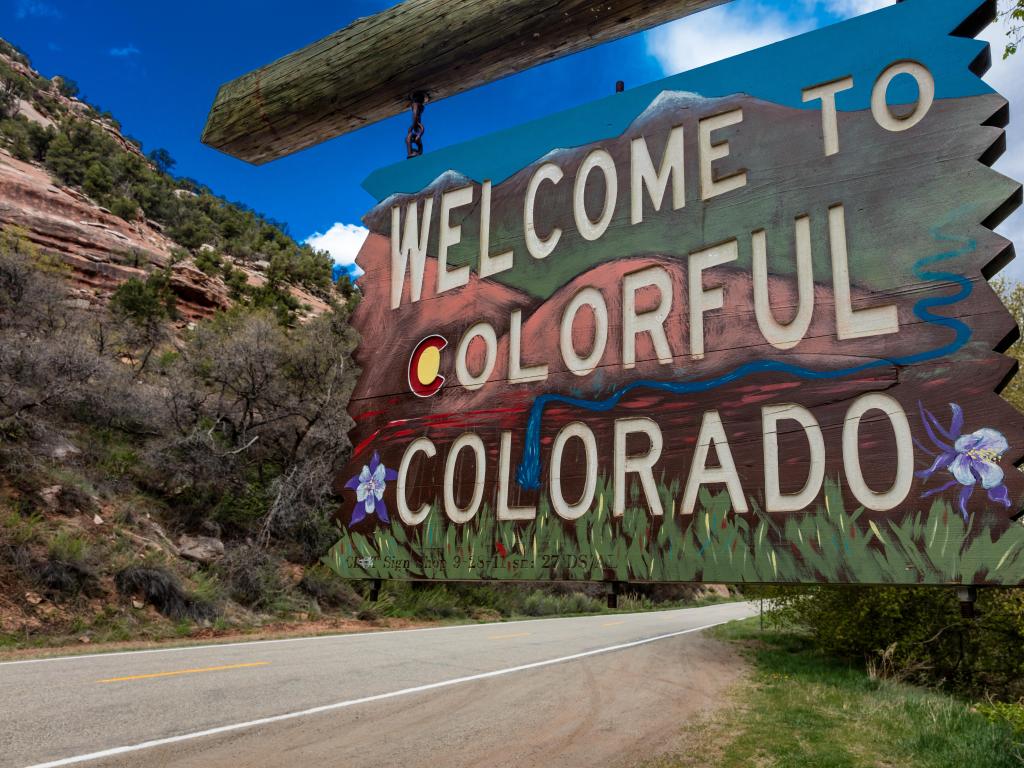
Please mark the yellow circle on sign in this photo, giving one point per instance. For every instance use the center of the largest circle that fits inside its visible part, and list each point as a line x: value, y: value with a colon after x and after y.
x: 429, y: 365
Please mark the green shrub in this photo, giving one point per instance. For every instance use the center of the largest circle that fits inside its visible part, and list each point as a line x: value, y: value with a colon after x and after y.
x: 68, y: 547
x: 252, y: 577
x: 209, y: 261
x: 14, y: 52
x: 119, y: 460
x: 207, y: 587
x: 67, y: 572
x: 26, y: 140
x: 22, y: 529
x: 67, y: 86
x: 329, y: 589
x: 124, y: 208
x: 98, y: 181
x: 145, y: 301
x: 161, y: 589
x: 1011, y: 713
x: 421, y: 601
x: 540, y: 603
x: 914, y: 632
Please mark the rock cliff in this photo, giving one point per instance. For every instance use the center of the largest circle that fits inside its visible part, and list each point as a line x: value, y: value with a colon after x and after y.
x: 101, y: 249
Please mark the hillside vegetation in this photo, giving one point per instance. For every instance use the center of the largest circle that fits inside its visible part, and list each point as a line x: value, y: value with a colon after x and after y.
x: 83, y: 148
x: 122, y: 428
x: 163, y: 474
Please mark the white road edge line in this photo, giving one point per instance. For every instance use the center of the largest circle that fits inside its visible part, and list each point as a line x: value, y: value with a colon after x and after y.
x: 364, y: 700
x: 344, y: 635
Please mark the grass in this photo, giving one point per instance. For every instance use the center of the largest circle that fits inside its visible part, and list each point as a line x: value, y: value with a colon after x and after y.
x: 803, y: 709
x: 21, y: 529
x: 832, y: 544
x: 69, y: 547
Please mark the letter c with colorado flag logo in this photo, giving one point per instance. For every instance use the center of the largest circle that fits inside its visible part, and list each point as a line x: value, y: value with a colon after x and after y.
x: 425, y: 379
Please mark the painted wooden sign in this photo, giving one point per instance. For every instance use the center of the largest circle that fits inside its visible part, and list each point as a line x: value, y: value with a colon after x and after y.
x: 733, y: 326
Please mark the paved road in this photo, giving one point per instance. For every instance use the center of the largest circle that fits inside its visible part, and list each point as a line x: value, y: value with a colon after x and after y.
x: 546, y: 692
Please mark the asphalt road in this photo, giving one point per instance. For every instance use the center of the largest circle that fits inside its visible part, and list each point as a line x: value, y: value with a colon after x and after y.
x: 547, y: 692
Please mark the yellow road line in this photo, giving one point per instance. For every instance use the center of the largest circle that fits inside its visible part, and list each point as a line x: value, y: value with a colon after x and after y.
x: 183, y: 672
x: 509, y: 637
x: 612, y: 623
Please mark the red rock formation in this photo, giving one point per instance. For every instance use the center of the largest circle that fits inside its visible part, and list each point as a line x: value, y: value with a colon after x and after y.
x: 102, y: 250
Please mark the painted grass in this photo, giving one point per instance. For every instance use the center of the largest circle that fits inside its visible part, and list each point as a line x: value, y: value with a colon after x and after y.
x: 714, y: 545
x: 802, y: 709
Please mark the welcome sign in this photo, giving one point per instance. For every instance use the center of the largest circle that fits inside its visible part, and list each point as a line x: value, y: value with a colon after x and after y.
x: 732, y: 326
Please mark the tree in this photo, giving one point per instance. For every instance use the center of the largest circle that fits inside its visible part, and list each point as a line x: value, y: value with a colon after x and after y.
x: 10, y: 104
x: 75, y: 148
x: 1012, y: 295
x: 98, y: 182
x: 67, y: 86
x: 145, y: 306
x: 162, y: 159
x: 260, y: 411
x: 44, y: 366
x: 1014, y: 16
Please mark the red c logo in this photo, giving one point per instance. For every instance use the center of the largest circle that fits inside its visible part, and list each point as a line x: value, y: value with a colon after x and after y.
x: 424, y: 366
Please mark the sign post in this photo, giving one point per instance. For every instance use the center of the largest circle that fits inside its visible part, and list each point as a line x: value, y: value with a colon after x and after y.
x: 733, y: 326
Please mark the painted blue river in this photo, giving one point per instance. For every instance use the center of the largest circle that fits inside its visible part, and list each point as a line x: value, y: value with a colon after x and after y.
x: 528, y: 471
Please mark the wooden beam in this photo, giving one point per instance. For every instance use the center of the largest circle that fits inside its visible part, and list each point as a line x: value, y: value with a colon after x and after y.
x: 367, y: 71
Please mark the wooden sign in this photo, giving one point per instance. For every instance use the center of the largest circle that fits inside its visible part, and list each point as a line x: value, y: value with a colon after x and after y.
x: 733, y: 326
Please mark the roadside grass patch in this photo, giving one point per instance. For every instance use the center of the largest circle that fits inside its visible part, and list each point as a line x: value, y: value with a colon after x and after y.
x: 802, y: 708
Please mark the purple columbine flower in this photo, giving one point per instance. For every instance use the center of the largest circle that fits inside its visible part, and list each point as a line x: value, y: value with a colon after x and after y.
x: 369, y: 486
x: 971, y: 458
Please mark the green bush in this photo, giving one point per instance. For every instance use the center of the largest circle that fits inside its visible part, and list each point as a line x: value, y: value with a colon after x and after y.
x: 125, y: 208
x: 68, y: 547
x: 1010, y: 713
x: 209, y: 262
x: 329, y: 589
x: 67, y: 86
x: 421, y: 601
x: 252, y: 577
x: 68, y: 569
x: 540, y: 603
x: 21, y: 529
x: 161, y: 589
x: 98, y: 181
x: 145, y: 301
x: 915, y: 633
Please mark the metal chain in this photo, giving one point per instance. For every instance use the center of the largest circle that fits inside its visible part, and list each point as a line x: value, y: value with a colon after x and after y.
x: 414, y: 138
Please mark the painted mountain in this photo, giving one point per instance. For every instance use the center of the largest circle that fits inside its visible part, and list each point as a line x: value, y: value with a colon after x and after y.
x: 654, y: 462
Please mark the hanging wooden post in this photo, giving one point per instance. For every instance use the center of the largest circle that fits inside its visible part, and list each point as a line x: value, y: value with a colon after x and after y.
x: 369, y: 70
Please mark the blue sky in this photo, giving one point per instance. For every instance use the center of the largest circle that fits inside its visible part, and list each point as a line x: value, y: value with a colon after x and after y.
x: 157, y: 66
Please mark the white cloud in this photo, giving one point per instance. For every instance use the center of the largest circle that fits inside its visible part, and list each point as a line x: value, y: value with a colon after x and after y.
x: 844, y: 9
x: 721, y: 32
x: 744, y: 25
x: 128, y: 50
x: 36, y: 9
x: 341, y: 241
